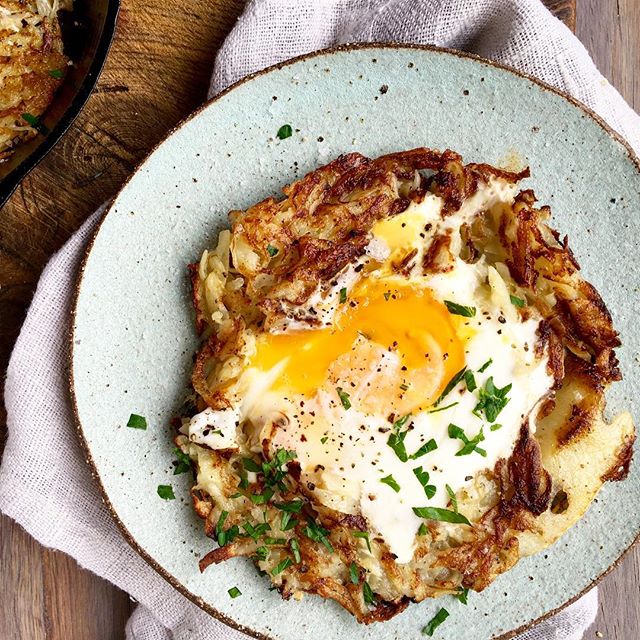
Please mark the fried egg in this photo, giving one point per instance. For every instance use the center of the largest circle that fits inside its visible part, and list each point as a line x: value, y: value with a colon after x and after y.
x: 394, y: 388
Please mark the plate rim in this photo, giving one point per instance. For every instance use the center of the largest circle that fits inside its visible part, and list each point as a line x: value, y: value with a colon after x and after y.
x: 357, y: 46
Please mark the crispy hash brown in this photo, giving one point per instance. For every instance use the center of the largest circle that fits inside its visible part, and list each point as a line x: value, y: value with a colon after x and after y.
x: 33, y: 66
x: 254, y: 497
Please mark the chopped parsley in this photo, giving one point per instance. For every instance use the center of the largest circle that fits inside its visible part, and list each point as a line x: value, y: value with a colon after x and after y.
x: 294, y: 506
x: 137, y: 422
x: 443, y: 515
x: 285, y: 131
x: 272, y: 472
x: 452, y: 497
x: 423, y: 479
x: 318, y: 534
x: 462, y: 595
x: 281, y: 566
x: 251, y: 465
x: 486, y: 365
x: 324, y: 439
x: 396, y: 442
x: 224, y: 537
x: 367, y: 594
x: 450, y: 386
x: 254, y: 532
x: 495, y: 427
x: 287, y: 521
x: 262, y: 498
x: 343, y: 295
x: 262, y: 553
x: 492, y: 400
x: 517, y: 302
x: 422, y: 529
x: 344, y: 398
x: 389, y: 480
x: 234, y: 592
x: 183, y: 463
x: 295, y: 549
x: 460, y: 310
x: 469, y: 446
x: 435, y: 622
x: 453, y: 404
x: 56, y: 73
x: 470, y: 380
x: 427, y: 447
x: 354, y: 574
x: 165, y: 491
x: 365, y: 536
x: 34, y: 121
x: 272, y: 251
x: 387, y: 295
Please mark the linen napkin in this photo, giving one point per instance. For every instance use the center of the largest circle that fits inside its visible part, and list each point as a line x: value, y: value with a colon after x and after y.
x: 45, y: 484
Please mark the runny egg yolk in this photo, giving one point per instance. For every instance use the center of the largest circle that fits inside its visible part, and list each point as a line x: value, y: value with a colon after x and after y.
x: 392, y: 347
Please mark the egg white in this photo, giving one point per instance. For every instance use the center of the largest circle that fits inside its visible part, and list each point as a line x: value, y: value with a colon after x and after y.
x: 344, y: 451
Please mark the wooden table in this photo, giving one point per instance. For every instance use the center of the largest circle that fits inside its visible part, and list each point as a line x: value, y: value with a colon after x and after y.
x: 157, y: 72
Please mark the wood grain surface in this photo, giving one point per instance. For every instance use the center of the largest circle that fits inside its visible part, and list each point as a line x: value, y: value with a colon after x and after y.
x: 157, y: 72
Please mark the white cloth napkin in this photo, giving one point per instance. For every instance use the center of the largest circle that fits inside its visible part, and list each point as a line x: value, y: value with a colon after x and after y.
x: 45, y: 484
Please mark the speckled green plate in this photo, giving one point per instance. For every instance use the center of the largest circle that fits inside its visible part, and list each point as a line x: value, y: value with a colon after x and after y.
x: 133, y: 338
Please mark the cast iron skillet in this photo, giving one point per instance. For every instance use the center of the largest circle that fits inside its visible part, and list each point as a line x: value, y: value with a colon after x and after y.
x: 87, y: 34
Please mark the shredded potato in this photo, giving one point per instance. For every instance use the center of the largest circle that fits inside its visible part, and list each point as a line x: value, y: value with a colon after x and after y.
x: 276, y: 255
x: 33, y: 67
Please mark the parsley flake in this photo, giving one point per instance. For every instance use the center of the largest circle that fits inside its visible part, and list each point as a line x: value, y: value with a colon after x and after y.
x: 423, y: 479
x: 470, y: 380
x: 318, y: 534
x: 517, y: 302
x: 486, y: 365
x: 56, y: 73
x: 295, y: 549
x: 453, y: 404
x: 452, y: 497
x: 285, y: 131
x: 165, y: 491
x: 443, y: 515
x: 294, y: 506
x: 462, y: 595
x: 137, y: 422
x: 492, y: 400
x: 368, y: 594
x: 262, y: 498
x: 281, y: 566
x: 365, y: 536
x: 435, y: 622
x: 469, y: 445
x: 460, y: 310
x: 343, y: 295
x: 344, y: 398
x: 389, y: 480
x: 354, y: 574
x: 234, y: 592
x: 35, y: 122
x: 272, y: 251
x: 182, y: 464
x: 427, y: 447
x: 450, y: 386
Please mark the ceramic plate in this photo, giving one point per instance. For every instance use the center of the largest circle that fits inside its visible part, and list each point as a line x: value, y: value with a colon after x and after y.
x: 133, y: 336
